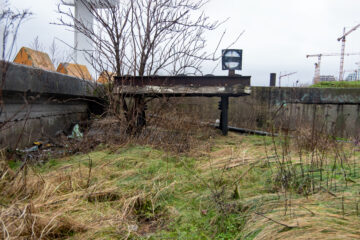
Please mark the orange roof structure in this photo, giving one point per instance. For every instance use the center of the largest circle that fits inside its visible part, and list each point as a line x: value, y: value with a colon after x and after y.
x: 33, y: 58
x: 105, y: 76
x: 76, y: 70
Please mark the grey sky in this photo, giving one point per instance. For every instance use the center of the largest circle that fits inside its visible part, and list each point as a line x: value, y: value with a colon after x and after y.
x: 278, y: 33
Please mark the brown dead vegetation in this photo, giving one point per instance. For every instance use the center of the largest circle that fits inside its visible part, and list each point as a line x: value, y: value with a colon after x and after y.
x: 51, y: 205
x: 310, y: 218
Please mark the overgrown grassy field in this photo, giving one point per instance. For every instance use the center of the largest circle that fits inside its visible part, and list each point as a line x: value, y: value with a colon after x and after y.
x: 224, y: 188
x: 337, y: 84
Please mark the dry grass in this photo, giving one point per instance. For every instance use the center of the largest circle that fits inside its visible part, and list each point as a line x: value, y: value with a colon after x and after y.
x: 133, y: 192
x: 69, y: 199
x: 310, y: 218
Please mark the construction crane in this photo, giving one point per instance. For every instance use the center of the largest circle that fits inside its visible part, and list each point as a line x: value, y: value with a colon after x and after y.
x: 319, y: 56
x: 284, y: 75
x: 343, y: 39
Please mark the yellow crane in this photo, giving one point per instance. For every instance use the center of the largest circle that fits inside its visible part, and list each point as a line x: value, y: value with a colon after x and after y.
x: 343, y: 39
x: 319, y: 56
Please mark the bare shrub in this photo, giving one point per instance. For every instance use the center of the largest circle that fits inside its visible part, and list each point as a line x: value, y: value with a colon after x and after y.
x: 167, y: 127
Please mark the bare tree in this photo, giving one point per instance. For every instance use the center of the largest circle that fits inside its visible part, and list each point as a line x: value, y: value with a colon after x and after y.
x: 56, y: 53
x: 10, y: 22
x: 37, y: 45
x: 143, y: 38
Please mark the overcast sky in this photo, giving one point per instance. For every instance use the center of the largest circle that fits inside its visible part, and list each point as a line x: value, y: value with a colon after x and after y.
x: 278, y: 34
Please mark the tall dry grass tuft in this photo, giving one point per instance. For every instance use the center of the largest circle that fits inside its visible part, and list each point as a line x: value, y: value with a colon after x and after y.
x: 38, y: 204
x: 26, y: 222
x: 24, y: 209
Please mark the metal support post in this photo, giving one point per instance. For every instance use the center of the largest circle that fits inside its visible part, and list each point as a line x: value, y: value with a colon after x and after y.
x: 140, y: 112
x: 224, y: 107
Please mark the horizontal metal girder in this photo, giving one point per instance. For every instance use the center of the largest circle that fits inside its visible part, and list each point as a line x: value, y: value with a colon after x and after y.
x: 183, y: 91
x: 183, y: 85
x: 193, y: 81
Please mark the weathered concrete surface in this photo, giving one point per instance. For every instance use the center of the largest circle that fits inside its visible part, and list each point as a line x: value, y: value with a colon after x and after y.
x: 36, y: 103
x: 336, y: 111
x: 342, y: 120
x: 21, y: 78
x: 276, y: 95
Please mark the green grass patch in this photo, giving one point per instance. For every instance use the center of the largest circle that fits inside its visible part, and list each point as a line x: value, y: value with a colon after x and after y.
x: 171, y: 196
x: 14, y: 165
x: 337, y: 84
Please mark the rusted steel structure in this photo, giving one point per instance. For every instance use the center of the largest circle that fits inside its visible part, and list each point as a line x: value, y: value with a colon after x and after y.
x: 186, y: 86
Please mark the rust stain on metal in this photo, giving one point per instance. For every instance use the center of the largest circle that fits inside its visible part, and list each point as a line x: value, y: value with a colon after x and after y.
x: 183, y: 85
x: 192, y: 81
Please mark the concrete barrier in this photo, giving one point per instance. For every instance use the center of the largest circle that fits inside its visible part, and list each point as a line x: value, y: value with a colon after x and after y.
x: 335, y: 110
x: 37, y: 103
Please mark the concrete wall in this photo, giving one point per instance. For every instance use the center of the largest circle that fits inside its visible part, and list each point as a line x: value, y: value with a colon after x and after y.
x: 335, y: 110
x: 342, y: 120
x: 36, y: 104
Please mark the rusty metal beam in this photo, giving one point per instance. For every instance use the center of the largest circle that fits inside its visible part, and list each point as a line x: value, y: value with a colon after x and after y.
x: 193, y: 81
x: 179, y: 91
x: 184, y: 86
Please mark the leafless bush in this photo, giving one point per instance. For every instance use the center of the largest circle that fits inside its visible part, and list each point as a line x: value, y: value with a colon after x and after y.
x: 167, y: 127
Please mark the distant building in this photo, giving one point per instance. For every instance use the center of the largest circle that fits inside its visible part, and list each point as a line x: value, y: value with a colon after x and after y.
x: 327, y: 78
x: 353, y: 76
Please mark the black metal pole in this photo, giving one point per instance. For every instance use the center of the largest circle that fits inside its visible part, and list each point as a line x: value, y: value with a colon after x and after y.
x: 224, y: 114
x: 224, y: 104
